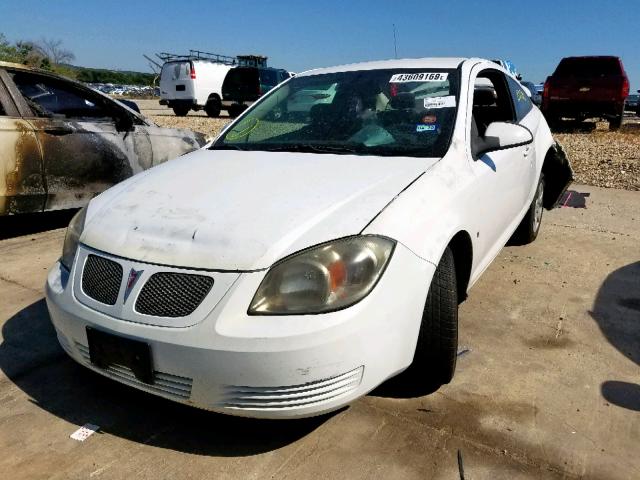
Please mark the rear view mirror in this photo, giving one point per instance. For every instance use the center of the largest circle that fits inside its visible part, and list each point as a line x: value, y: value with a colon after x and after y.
x: 504, y: 135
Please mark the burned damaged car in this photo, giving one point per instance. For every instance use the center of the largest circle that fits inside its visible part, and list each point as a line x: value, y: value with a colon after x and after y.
x: 62, y: 143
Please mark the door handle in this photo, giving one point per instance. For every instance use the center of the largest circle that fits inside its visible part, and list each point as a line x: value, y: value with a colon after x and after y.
x: 58, y: 131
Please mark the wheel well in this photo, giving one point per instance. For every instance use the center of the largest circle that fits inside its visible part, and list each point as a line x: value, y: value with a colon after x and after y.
x: 558, y: 175
x: 462, y: 250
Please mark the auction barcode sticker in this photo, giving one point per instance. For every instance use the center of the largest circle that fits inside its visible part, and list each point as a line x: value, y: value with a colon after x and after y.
x: 84, y: 432
x: 440, y: 102
x: 418, y: 77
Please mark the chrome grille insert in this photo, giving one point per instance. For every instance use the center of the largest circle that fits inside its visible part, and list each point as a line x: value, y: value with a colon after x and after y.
x: 101, y: 279
x: 173, y: 386
x: 173, y: 295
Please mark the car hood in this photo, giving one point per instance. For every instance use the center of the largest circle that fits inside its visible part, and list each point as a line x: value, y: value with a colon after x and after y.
x: 232, y: 210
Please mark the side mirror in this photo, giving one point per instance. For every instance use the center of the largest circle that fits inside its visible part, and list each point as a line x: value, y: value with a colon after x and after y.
x: 131, y: 104
x: 124, y: 123
x: 502, y: 136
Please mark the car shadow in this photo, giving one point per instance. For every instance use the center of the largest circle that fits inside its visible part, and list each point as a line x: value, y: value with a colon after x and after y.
x: 616, y: 310
x: 32, y: 359
x: 29, y: 223
x: 406, y: 385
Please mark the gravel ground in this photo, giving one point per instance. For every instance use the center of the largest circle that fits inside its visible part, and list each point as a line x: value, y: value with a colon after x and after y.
x: 603, y: 158
x: 600, y: 158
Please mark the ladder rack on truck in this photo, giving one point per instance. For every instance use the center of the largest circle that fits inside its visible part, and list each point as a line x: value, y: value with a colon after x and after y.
x: 240, y: 60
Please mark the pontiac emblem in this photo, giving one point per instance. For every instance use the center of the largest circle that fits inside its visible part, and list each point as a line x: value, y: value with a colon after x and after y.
x: 134, y: 275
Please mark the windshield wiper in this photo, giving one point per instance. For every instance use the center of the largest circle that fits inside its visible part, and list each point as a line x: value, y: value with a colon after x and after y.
x: 311, y: 148
x: 228, y: 147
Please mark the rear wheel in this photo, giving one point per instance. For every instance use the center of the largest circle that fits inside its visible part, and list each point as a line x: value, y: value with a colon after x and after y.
x: 529, y: 227
x: 180, y: 111
x: 616, y: 122
x: 437, y: 347
x: 213, y: 107
x: 235, y: 110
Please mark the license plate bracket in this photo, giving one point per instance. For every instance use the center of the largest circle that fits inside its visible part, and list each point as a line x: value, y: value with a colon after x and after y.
x: 106, y: 349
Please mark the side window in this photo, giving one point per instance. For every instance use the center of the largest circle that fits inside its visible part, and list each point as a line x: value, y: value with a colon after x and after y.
x: 49, y: 97
x: 491, y: 100
x: 304, y: 99
x: 521, y: 100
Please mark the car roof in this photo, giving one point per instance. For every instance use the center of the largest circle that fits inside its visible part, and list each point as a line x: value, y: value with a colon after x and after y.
x: 20, y: 66
x: 446, y: 63
x: 591, y: 57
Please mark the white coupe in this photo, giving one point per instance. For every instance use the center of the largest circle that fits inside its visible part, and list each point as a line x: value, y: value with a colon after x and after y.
x: 300, y: 260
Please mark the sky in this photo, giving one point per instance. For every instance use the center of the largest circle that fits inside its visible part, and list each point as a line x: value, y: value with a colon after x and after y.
x: 299, y: 35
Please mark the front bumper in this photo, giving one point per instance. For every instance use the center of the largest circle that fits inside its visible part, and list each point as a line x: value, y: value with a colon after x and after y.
x: 268, y: 367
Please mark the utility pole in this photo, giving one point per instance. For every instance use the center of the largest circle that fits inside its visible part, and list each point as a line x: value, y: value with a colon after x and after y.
x: 395, y: 44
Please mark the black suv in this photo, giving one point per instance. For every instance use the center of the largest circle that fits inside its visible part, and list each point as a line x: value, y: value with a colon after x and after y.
x: 244, y: 85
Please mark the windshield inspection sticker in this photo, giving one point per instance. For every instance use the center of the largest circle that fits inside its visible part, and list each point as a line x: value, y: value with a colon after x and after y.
x: 418, y: 77
x: 421, y: 127
x: 440, y: 102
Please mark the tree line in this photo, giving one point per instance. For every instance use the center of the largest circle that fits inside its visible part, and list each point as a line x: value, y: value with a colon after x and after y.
x: 49, y: 54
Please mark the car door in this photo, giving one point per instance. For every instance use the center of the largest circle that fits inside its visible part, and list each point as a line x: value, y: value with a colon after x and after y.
x: 502, y: 180
x: 88, y: 142
x: 21, y: 176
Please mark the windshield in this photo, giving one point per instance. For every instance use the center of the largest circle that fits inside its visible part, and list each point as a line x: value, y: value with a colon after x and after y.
x: 397, y: 112
x: 588, y: 67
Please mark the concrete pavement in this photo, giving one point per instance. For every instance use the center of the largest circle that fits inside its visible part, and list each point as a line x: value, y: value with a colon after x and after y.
x: 549, y: 389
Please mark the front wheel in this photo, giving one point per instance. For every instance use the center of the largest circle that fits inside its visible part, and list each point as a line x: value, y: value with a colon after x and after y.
x: 181, y: 111
x: 529, y: 227
x: 437, y: 347
x: 213, y: 107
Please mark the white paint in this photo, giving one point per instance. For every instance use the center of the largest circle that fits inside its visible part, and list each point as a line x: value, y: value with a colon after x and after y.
x: 231, y: 210
x: 247, y: 209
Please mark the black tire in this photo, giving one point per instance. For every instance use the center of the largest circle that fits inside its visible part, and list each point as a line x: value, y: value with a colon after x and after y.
x: 529, y: 227
x: 616, y: 122
x: 437, y: 347
x: 213, y: 107
x: 181, y: 111
x: 235, y: 110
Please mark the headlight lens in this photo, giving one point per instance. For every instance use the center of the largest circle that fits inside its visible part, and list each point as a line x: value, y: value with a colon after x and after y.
x: 71, y: 239
x: 328, y: 277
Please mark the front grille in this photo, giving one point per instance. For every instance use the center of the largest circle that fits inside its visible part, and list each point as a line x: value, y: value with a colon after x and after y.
x: 277, y: 398
x: 178, y: 388
x: 173, y: 294
x: 101, y: 279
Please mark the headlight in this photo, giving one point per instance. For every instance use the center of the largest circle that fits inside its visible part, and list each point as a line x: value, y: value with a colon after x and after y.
x: 321, y: 279
x: 74, y: 230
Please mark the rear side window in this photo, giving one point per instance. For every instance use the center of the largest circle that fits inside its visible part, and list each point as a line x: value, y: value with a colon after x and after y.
x: 269, y: 77
x: 49, y: 97
x: 176, y: 71
x: 241, y: 83
x: 588, y: 67
x: 521, y: 100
